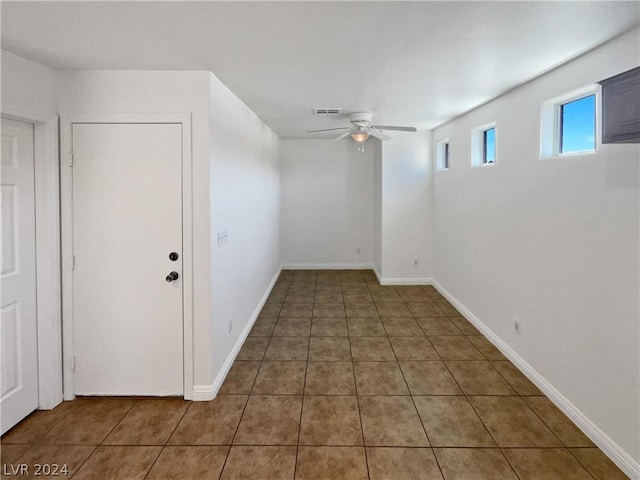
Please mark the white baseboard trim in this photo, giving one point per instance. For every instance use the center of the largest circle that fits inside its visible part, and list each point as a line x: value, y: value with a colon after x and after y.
x: 620, y: 457
x: 405, y: 281
x: 402, y: 281
x: 203, y: 393
x: 378, y: 276
x: 209, y: 392
x: 327, y: 266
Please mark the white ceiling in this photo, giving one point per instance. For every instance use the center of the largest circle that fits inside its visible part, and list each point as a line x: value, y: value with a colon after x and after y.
x: 410, y: 63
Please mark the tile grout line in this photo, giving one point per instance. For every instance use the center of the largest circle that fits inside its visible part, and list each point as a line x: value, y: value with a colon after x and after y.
x: 304, y: 382
x: 354, y: 371
x: 467, y: 399
x: 466, y: 335
x: 64, y: 417
x: 355, y: 384
x: 135, y: 403
x: 102, y: 442
x: 521, y: 397
x: 497, y: 445
x: 168, y: 438
x: 564, y: 445
x: 22, y: 455
x: 262, y: 360
x: 424, y: 429
x: 43, y: 435
x: 235, y: 433
x: 582, y: 464
x: 369, y: 285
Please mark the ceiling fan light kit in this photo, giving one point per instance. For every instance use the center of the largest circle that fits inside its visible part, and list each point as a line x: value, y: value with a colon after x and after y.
x: 359, y: 136
x: 362, y: 129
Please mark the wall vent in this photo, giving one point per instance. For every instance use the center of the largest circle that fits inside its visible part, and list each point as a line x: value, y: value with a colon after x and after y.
x: 327, y: 111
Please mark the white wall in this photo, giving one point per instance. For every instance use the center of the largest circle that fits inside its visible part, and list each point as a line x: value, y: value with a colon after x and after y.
x: 327, y: 203
x: 28, y: 86
x: 235, y: 187
x: 162, y: 92
x: 553, y: 242
x: 377, y: 207
x: 336, y: 199
x: 244, y: 181
x: 406, y: 208
x: 29, y: 93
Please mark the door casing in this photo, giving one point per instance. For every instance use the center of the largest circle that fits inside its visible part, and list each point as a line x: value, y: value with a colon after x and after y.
x: 66, y: 211
x: 47, y: 224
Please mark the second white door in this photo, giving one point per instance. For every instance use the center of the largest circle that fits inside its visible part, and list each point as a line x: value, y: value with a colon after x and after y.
x: 127, y: 233
x: 18, y: 321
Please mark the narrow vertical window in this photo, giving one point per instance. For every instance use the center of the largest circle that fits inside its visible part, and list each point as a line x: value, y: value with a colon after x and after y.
x: 489, y: 146
x: 446, y: 156
x: 483, y: 145
x: 442, y: 154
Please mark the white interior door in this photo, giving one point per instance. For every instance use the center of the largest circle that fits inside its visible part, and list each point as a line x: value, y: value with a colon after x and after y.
x: 127, y: 219
x: 19, y: 343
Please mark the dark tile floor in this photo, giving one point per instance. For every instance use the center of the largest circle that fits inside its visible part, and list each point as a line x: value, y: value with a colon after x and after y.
x: 340, y: 378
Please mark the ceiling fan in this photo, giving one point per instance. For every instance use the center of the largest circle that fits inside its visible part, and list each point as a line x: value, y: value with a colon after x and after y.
x: 361, y: 128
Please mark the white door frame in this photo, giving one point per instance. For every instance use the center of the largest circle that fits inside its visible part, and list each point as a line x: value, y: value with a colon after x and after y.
x: 66, y: 207
x: 47, y: 195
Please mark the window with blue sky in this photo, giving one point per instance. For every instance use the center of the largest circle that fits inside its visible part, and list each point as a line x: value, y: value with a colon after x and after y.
x: 489, y: 146
x: 578, y: 125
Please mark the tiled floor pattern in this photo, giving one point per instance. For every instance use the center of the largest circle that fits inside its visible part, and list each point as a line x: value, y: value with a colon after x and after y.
x: 340, y: 378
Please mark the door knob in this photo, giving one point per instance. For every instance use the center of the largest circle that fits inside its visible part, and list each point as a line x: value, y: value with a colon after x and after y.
x: 172, y: 276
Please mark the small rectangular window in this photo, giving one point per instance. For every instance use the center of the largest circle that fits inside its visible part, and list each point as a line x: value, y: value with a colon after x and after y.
x: 570, y: 124
x: 578, y: 125
x: 483, y: 145
x: 442, y: 155
x: 489, y: 146
x: 446, y: 156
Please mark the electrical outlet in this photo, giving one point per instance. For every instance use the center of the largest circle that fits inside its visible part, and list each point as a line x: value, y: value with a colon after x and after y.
x: 223, y: 237
x: 415, y: 261
x: 230, y: 324
x: 517, y: 326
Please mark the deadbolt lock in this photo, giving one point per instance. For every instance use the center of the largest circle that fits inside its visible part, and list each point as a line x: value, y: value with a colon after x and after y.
x: 172, y: 276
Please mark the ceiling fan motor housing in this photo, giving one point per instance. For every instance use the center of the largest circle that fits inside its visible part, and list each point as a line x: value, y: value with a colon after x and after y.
x: 362, y: 119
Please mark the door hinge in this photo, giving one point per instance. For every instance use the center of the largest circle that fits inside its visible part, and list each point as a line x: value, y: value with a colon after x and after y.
x: 71, y: 262
x: 71, y: 159
x: 73, y: 364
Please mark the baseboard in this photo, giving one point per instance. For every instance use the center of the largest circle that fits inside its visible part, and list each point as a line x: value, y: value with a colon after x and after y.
x: 405, y: 281
x: 327, y: 266
x: 619, y: 456
x: 402, y: 281
x: 209, y: 392
x: 378, y: 276
x: 203, y: 393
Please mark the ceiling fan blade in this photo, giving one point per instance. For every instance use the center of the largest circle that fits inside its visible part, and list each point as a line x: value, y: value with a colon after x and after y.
x: 344, y: 135
x: 391, y: 127
x: 329, y: 129
x: 379, y: 135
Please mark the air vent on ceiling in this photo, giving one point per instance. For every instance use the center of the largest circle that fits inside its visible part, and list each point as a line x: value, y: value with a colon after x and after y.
x: 327, y: 111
